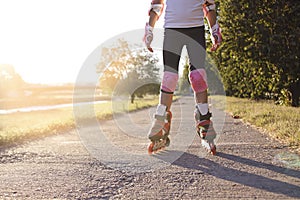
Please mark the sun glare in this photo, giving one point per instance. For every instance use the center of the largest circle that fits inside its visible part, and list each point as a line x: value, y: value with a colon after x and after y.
x: 48, y: 41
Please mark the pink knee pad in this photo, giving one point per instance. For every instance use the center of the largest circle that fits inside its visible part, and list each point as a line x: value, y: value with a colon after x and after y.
x: 198, y: 80
x: 169, y: 82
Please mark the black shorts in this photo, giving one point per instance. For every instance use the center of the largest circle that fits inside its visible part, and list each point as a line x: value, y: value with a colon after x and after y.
x: 175, y: 39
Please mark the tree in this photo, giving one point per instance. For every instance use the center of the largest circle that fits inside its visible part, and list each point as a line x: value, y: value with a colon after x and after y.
x: 10, y: 81
x: 184, y: 84
x: 259, y: 57
x: 127, y: 70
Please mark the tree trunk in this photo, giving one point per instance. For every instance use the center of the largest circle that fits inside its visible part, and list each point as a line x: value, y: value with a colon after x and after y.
x: 132, y: 98
x: 295, y: 91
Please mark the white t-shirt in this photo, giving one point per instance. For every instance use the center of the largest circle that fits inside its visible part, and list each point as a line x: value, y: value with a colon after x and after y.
x: 184, y: 13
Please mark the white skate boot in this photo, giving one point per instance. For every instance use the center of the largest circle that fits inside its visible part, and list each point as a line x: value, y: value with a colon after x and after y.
x: 160, y: 129
x: 205, y: 130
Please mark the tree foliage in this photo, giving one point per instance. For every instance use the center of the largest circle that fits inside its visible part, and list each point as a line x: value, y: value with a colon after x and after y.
x: 127, y: 70
x: 184, y: 84
x: 259, y: 57
x: 215, y: 85
x: 10, y: 81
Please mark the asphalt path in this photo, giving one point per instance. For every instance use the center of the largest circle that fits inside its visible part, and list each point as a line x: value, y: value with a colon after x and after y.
x: 109, y: 160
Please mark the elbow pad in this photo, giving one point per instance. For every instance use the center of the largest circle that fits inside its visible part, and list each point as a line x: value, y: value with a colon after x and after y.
x: 208, y: 6
x: 157, y: 8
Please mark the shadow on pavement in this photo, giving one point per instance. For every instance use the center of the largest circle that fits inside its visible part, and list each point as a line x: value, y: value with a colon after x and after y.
x: 207, y: 166
x: 246, y: 161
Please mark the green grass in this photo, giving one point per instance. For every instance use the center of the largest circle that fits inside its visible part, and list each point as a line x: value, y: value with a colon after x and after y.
x: 20, y: 126
x: 15, y: 128
x: 281, y: 122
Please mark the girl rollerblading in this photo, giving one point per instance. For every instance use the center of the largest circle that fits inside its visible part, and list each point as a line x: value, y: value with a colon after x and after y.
x: 184, y: 26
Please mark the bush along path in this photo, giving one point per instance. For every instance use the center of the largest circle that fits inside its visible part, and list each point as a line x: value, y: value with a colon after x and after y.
x: 79, y: 165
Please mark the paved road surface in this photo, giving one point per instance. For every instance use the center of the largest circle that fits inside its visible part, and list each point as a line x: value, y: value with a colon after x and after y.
x: 109, y: 160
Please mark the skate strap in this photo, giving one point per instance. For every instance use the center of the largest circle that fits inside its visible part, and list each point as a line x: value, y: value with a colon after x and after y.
x: 204, y: 117
x: 159, y: 117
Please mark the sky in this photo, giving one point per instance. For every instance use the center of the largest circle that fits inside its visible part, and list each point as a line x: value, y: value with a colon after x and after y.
x: 47, y: 41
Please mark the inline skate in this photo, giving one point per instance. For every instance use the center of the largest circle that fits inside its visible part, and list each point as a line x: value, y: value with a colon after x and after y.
x: 205, y: 130
x: 159, y: 132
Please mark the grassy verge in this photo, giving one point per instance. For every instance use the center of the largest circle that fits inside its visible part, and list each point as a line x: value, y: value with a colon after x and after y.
x: 15, y: 128
x: 281, y: 122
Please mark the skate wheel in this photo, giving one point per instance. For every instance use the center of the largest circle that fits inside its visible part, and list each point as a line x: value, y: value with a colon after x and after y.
x: 161, y: 149
x: 213, y: 150
x: 150, y: 148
